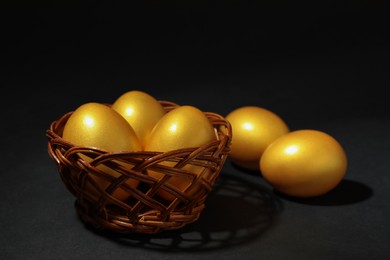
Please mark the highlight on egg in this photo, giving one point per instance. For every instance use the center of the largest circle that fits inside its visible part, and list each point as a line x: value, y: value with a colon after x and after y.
x: 182, y: 127
x: 141, y: 110
x: 99, y: 126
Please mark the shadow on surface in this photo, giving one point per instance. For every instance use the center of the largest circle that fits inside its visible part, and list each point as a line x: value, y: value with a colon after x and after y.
x: 236, y: 212
x: 245, y: 170
x: 347, y: 192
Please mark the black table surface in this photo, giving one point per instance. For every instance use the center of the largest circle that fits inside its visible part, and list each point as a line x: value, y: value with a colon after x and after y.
x: 318, y: 66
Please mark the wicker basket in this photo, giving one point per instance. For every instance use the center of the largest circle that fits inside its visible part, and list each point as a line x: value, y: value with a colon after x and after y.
x: 144, y: 211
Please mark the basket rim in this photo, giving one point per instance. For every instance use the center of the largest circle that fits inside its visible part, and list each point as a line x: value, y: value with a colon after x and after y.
x: 215, y: 119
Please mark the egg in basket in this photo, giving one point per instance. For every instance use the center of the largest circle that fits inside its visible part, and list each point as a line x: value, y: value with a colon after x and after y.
x: 139, y: 165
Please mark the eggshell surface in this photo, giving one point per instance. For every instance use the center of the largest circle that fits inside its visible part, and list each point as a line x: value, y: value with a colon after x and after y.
x: 253, y: 129
x: 183, y: 127
x: 304, y: 163
x: 97, y: 125
x: 141, y: 110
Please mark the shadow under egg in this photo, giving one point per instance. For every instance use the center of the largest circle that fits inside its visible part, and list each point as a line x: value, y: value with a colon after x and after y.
x: 347, y: 192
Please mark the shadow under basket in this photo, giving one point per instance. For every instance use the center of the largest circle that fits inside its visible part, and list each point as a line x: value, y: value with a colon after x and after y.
x: 139, y: 208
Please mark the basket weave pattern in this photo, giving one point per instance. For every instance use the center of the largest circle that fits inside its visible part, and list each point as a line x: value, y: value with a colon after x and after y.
x: 144, y: 211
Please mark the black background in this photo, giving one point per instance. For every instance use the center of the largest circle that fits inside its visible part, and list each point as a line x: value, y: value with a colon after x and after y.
x: 322, y: 66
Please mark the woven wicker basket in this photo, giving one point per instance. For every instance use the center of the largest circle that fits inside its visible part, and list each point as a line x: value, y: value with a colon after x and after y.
x: 144, y: 211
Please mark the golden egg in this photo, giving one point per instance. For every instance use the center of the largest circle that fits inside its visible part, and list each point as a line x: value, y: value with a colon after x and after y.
x: 182, y: 127
x: 97, y: 125
x: 253, y: 129
x: 141, y: 110
x: 304, y: 163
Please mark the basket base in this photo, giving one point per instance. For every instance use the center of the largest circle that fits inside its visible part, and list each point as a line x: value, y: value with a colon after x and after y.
x: 118, y: 222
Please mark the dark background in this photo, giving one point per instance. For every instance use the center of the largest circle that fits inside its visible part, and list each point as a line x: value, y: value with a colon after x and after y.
x: 322, y: 66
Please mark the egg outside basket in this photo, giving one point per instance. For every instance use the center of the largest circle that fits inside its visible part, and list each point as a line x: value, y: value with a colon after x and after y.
x: 144, y: 211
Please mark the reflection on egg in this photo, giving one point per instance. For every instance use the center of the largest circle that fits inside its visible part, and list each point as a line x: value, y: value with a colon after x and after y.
x: 97, y: 125
x: 304, y: 163
x: 182, y: 127
x: 141, y: 110
x: 253, y: 129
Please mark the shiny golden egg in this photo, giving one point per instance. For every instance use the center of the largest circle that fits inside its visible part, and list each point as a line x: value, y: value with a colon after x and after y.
x: 253, y: 129
x: 97, y: 125
x: 304, y: 163
x: 141, y: 110
x: 182, y: 127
